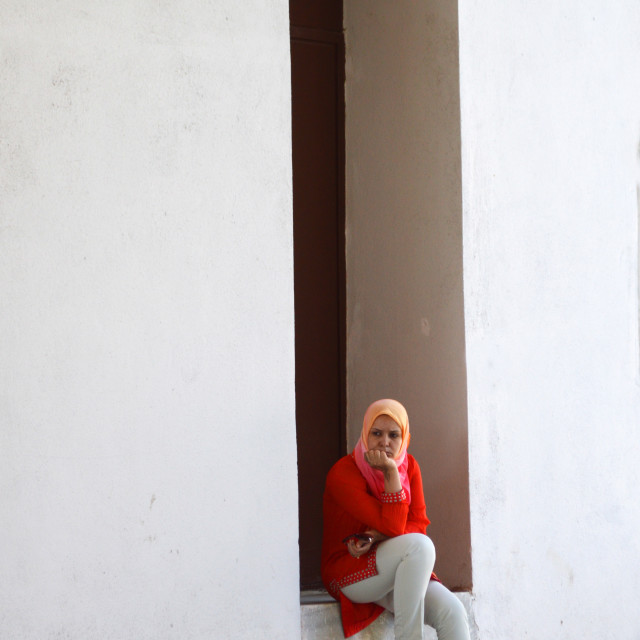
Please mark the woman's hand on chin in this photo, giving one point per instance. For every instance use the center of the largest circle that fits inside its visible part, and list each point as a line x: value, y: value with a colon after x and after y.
x: 379, y: 460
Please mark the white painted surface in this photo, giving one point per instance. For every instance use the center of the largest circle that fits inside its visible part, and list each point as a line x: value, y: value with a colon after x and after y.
x: 550, y: 128
x: 147, y: 443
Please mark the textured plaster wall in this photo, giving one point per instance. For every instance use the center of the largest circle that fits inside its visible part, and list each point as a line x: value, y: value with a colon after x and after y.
x: 147, y: 379
x: 550, y: 104
x: 405, y: 322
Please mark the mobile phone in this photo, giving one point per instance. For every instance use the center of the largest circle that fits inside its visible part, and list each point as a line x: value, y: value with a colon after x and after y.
x: 365, y: 537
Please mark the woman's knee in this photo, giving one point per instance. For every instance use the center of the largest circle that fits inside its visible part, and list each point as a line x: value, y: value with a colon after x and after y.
x: 420, y: 545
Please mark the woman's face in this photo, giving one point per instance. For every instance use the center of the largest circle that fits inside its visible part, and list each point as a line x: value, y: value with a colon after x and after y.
x: 385, y: 435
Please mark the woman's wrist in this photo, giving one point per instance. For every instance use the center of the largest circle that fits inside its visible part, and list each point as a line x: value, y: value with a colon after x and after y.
x: 376, y: 535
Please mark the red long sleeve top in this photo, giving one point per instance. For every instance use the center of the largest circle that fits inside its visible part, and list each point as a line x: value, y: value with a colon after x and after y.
x: 349, y: 507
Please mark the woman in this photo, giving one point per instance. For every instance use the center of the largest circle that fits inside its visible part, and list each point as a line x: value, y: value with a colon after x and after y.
x: 376, y: 492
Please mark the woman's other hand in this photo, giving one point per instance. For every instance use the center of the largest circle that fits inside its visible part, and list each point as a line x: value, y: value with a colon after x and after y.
x: 357, y: 547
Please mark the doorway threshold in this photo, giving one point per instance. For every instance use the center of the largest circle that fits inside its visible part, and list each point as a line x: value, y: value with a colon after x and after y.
x: 320, y: 619
x: 315, y: 596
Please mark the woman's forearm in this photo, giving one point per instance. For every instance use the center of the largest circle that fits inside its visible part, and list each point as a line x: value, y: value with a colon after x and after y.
x: 392, y: 482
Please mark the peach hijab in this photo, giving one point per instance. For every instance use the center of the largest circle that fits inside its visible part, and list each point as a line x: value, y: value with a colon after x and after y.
x: 375, y: 478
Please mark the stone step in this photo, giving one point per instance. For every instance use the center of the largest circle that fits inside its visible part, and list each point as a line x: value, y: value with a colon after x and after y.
x: 320, y: 615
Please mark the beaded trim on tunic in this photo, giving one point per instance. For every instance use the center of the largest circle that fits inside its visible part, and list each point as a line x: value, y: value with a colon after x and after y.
x: 368, y: 571
x: 390, y: 498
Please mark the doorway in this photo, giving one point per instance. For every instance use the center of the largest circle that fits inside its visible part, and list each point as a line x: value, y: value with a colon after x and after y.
x: 317, y: 80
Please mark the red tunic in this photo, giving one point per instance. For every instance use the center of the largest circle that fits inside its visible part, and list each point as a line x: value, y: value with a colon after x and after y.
x: 349, y: 507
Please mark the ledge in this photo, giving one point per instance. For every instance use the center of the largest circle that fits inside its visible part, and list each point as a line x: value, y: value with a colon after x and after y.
x: 320, y: 619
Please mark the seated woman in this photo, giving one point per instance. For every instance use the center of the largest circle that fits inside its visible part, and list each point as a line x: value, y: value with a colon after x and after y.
x: 376, y: 492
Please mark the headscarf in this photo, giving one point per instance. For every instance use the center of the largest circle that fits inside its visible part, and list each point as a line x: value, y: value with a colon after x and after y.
x: 375, y: 478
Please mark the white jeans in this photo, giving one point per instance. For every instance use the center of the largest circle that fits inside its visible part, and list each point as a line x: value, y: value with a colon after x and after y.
x: 403, y: 587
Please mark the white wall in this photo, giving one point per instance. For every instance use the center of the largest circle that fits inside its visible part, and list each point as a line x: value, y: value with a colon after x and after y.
x: 550, y: 104
x: 147, y: 432
x: 405, y: 319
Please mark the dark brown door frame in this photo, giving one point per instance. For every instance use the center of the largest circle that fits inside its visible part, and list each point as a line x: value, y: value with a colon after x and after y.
x: 317, y: 52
